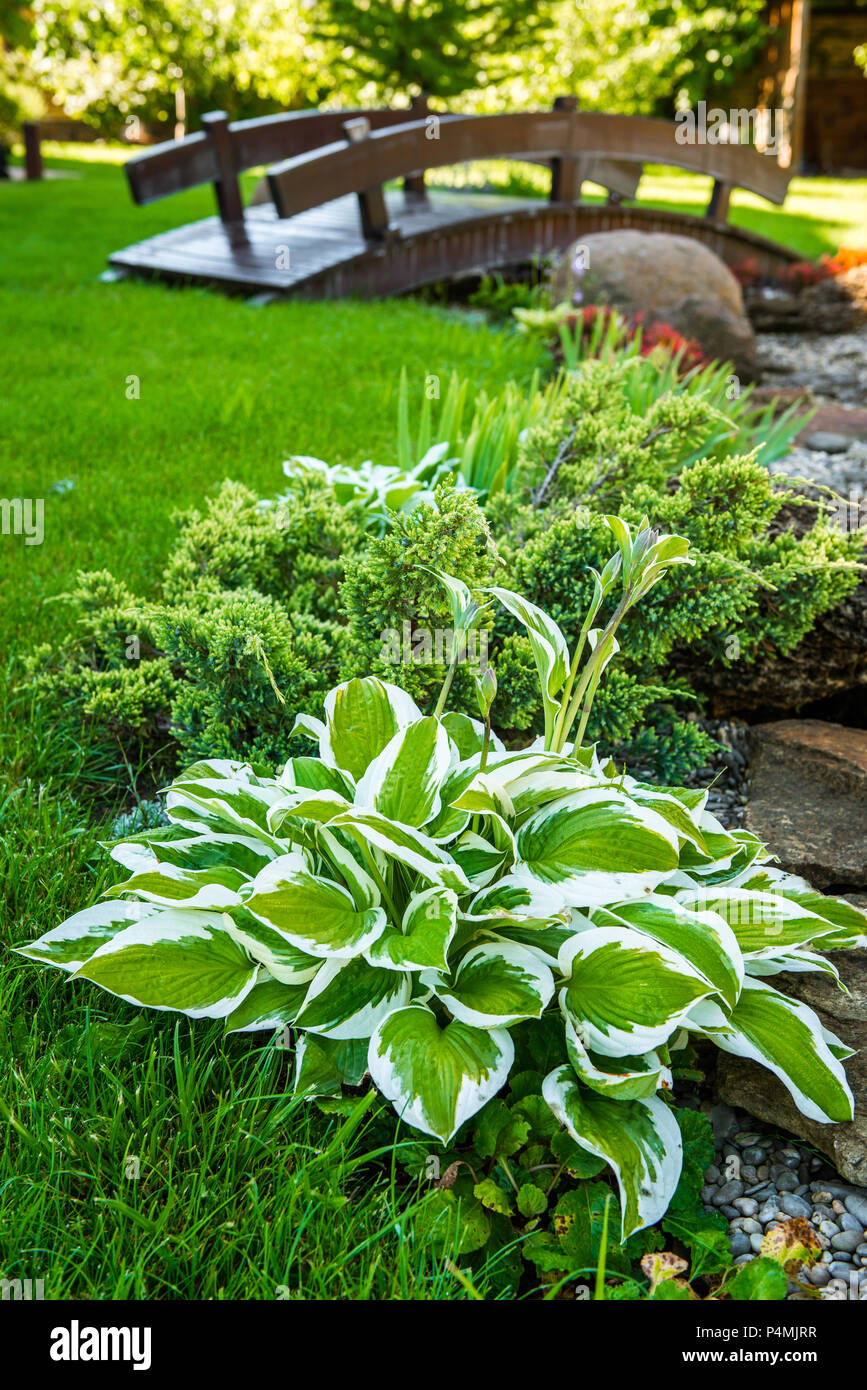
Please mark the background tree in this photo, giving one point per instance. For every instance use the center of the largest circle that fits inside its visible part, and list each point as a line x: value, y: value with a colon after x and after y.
x: 132, y: 57
x: 439, y: 46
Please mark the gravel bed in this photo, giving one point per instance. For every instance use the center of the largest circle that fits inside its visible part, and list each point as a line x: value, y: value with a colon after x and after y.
x: 833, y: 366
x: 726, y: 771
x: 761, y: 1178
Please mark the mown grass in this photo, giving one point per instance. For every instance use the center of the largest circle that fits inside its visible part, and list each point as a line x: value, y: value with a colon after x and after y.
x: 241, y: 1192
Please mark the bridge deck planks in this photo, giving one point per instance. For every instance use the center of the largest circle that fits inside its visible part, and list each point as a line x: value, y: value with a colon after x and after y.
x: 318, y: 240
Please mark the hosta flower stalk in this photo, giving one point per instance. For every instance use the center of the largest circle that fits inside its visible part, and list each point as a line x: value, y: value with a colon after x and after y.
x: 412, y: 891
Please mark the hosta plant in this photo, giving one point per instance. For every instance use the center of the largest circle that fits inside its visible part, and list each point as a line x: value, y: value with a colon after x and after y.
x: 414, y: 891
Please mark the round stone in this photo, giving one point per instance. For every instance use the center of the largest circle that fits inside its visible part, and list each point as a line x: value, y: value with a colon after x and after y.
x: 819, y: 1275
x: 748, y: 1206
x: 793, y: 1205
x: 848, y: 1223
x: 856, y: 1205
x: 740, y: 1244
x: 786, y: 1180
x: 847, y: 1241
x: 728, y: 1192
x: 756, y: 1241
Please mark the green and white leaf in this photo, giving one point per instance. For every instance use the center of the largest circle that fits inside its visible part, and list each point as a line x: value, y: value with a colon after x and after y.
x: 179, y: 960
x: 269, y: 1005
x: 75, y: 940
x: 786, y: 1036
x: 703, y: 939
x: 426, y: 932
x: 496, y: 985
x: 626, y: 994
x: 403, y: 781
x: 437, y: 1078
x: 640, y: 1139
x: 362, y: 716
x: 620, y: 1078
x: 347, y: 999
x: 314, y: 914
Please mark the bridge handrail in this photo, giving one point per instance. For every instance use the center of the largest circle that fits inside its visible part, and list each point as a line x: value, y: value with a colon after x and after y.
x: 177, y: 165
x: 318, y: 176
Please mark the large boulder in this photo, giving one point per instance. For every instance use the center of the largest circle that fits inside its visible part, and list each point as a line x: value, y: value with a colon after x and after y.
x: 808, y: 799
x: 758, y: 1091
x: 672, y: 279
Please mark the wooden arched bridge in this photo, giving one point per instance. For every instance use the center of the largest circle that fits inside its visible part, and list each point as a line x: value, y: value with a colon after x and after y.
x: 324, y: 224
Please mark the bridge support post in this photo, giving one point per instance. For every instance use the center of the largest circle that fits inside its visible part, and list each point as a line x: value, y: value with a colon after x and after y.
x: 371, y: 201
x: 414, y: 185
x: 32, y: 150
x: 718, y: 207
x: 227, y: 188
x: 567, y: 174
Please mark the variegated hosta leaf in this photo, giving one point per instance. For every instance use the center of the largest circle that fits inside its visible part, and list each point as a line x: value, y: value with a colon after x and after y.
x: 639, y: 1138
x: 550, y: 650
x: 437, y: 1077
x: 209, y: 850
x: 849, y: 922
x: 760, y: 921
x: 403, y: 781
x: 786, y: 1036
x: 511, y: 900
x: 597, y: 846
x: 425, y: 935
x: 271, y: 948
x: 345, y: 858
x: 269, y: 1005
x: 362, y: 716
x: 346, y: 999
x: 621, y: 1078
x: 797, y: 960
x: 672, y: 809
x: 302, y: 805
x: 480, y: 860
x: 312, y: 774
x: 703, y: 939
x: 239, y: 803
x: 409, y: 847
x: 170, y: 886
x: 495, y: 985
x: 75, y: 940
x: 624, y: 993
x: 179, y: 960
x: 314, y: 914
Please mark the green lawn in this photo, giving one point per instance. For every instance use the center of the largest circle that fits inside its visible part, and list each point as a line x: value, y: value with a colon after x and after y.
x: 240, y: 1191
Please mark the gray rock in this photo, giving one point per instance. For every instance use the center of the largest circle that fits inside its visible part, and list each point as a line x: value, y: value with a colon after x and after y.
x: 820, y: 1275
x: 748, y: 1206
x: 756, y: 1241
x: 862, y: 1250
x: 753, y: 1154
x: 793, y: 1205
x: 828, y: 443
x: 839, y: 1270
x: 823, y: 1213
x: 713, y: 1174
x: 847, y: 1241
x: 744, y: 1259
x: 856, y: 1204
x: 768, y: 1212
x: 750, y: 1226
x: 707, y: 1194
x: 848, y: 1223
x: 728, y: 1210
x: 727, y: 1193
x: 786, y: 1181
x: 740, y: 1244
x: 829, y: 1229
x: 745, y: 1139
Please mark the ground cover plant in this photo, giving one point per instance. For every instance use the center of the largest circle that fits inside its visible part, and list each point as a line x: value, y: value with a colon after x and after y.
x: 411, y: 894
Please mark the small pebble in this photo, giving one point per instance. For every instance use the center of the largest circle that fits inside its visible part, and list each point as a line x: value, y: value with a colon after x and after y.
x: 838, y: 1270
x: 727, y: 1193
x: 740, y: 1244
x: 786, y: 1181
x: 829, y: 1228
x: 748, y: 1206
x: 794, y: 1205
x: 756, y: 1241
x: 819, y: 1275
x: 713, y: 1174
x: 846, y: 1241
x: 856, y: 1205
x: 847, y: 1222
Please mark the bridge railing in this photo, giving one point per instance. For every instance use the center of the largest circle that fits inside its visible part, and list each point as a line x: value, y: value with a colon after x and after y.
x: 569, y: 140
x: 316, y: 156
